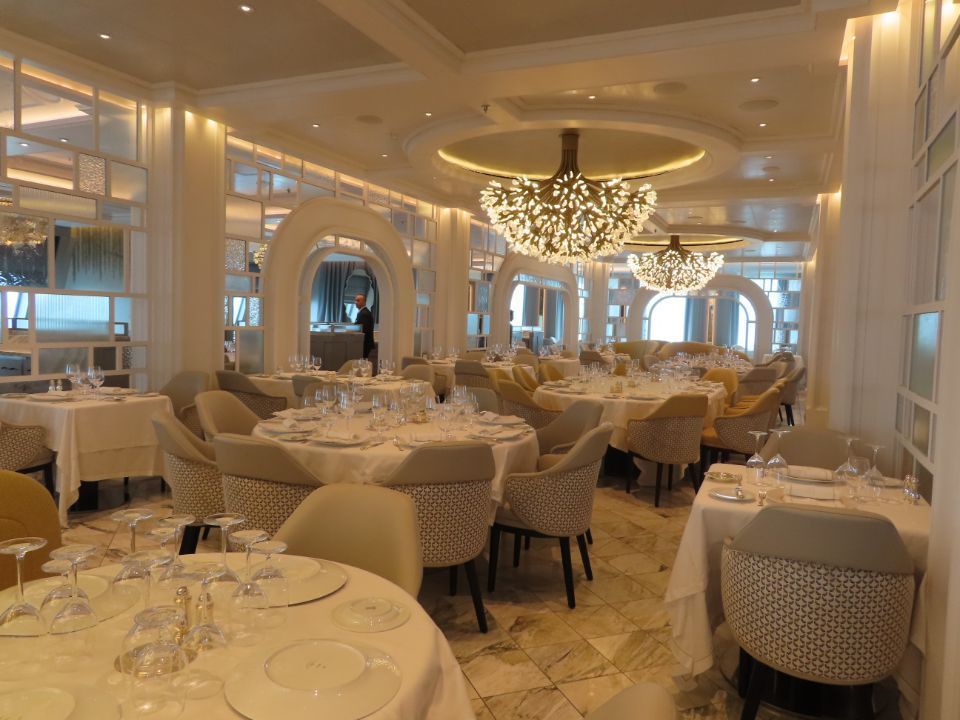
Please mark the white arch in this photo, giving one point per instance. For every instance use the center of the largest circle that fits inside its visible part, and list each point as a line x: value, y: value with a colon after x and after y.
x: 292, y: 261
x: 516, y: 264
x: 749, y: 289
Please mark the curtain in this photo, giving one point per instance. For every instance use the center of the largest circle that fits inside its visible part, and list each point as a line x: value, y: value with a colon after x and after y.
x: 728, y: 312
x: 327, y: 303
x: 695, y: 319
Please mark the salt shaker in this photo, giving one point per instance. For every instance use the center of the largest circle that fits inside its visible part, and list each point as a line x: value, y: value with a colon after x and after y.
x: 181, y: 600
x: 59, y: 385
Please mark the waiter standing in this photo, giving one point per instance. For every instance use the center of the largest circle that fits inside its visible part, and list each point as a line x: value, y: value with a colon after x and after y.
x: 365, y: 321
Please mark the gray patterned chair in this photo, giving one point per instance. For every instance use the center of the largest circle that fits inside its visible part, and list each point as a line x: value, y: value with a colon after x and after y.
x: 562, y: 433
x: 554, y: 503
x: 261, y: 480
x: 182, y: 389
x: 242, y: 388
x: 191, y: 471
x: 824, y: 595
x: 487, y: 400
x: 731, y: 431
x: 669, y: 436
x: 790, y: 390
x: 221, y: 412
x: 450, y: 484
x: 472, y: 373
x: 516, y: 401
x: 23, y: 449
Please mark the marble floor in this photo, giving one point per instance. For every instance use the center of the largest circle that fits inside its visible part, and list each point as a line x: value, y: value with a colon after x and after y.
x: 540, y: 660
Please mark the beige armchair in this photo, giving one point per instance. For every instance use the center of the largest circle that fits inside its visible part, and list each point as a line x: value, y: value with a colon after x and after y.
x: 554, y: 503
x: 562, y: 433
x: 807, y: 446
x: 487, y: 400
x: 548, y: 372
x: 23, y: 449
x: 300, y: 385
x: 636, y: 349
x: 261, y: 480
x: 757, y: 381
x: 790, y: 391
x: 588, y: 357
x: 727, y: 376
x: 182, y: 389
x: 420, y: 372
x: 860, y: 574
x: 690, y: 347
x: 472, y: 374
x: 450, y: 484
x: 26, y: 510
x: 516, y: 401
x: 669, y: 436
x: 408, y: 360
x: 192, y: 474
x: 523, y: 379
x: 242, y: 388
x: 369, y: 527
x: 221, y: 412
x: 731, y: 431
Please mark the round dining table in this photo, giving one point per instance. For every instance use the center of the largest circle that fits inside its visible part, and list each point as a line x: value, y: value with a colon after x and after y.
x: 431, y: 683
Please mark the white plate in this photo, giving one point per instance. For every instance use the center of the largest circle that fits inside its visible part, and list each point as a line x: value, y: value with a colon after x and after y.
x: 371, y: 615
x: 721, y: 477
x: 44, y: 397
x: 338, y: 442
x: 494, y: 419
x: 42, y: 703
x: 14, y: 395
x: 731, y: 496
x: 313, y: 678
x: 106, y: 602
x: 309, y: 578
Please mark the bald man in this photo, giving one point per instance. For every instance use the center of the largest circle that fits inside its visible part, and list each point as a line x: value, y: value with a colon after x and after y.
x: 365, y: 321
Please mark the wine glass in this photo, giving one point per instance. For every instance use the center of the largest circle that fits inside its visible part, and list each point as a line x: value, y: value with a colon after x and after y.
x: 75, y: 613
x: 431, y: 408
x: 95, y: 378
x: 248, y: 600
x: 778, y: 464
x: 873, y: 476
x: 347, y: 406
x: 379, y: 406
x: 269, y: 575
x: 58, y: 595
x: 72, y: 371
x: 224, y: 521
x: 156, y: 691
x: 137, y: 569
x: 859, y: 466
x: 316, y: 363
x: 132, y: 516
x: 756, y: 462
x: 21, y: 618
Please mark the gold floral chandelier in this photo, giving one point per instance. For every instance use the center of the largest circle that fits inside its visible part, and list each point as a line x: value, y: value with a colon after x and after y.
x: 568, y: 218
x: 22, y: 233
x: 675, y: 269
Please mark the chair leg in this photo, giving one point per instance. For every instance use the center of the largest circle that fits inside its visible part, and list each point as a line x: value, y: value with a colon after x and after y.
x: 126, y: 489
x: 755, y: 688
x: 494, y: 558
x: 780, y: 413
x: 589, y: 536
x: 629, y: 483
x: 191, y: 533
x: 526, y: 543
x: 48, y: 477
x: 790, y: 420
x: 656, y: 492
x: 567, y: 571
x: 453, y: 579
x: 475, y: 594
x: 206, y: 532
x: 585, y: 556
x: 692, y: 477
x: 670, y: 477
x: 517, y: 541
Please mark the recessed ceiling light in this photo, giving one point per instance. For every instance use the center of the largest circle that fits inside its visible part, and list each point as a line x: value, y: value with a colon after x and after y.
x: 246, y: 8
x: 23, y: 144
x: 428, y: 114
x: 768, y: 157
x: 104, y: 36
x: 754, y: 79
x: 384, y: 155
x: 771, y: 180
x: 763, y: 124
x: 63, y: 140
x: 316, y: 125
x: 591, y: 97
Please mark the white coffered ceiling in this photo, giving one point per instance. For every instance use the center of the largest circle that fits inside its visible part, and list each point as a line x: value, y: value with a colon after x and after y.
x: 395, y: 86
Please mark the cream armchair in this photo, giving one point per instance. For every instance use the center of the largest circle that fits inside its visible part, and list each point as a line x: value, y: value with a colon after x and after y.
x: 562, y: 433
x: 472, y: 374
x: 517, y: 401
x: 221, y: 412
x: 242, y: 387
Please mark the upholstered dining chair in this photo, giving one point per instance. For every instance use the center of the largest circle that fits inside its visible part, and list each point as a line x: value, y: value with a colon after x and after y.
x: 790, y: 391
x: 670, y: 435
x: 450, y: 485
x: 261, y: 480
x: 222, y: 412
x: 730, y: 432
x: 420, y: 372
x: 588, y: 357
x: 516, y: 401
x: 408, y: 360
x: 727, y: 376
x: 650, y: 361
x: 182, y: 389
x: 23, y: 449
x: 562, y: 433
x: 553, y: 503
x: 191, y: 471
x: 26, y: 510
x: 548, y: 372
x: 523, y: 378
x: 487, y: 399
x: 370, y: 527
x: 758, y: 380
x: 300, y: 385
x: 472, y: 373
x: 807, y: 446
x: 858, y: 570
x: 645, y: 700
x: 242, y: 387
x: 527, y: 358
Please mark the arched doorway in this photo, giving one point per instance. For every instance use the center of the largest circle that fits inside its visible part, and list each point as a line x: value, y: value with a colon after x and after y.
x: 557, y: 283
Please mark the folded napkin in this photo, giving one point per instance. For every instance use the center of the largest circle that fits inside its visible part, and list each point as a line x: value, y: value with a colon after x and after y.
x: 340, y: 434
x: 810, y: 473
x: 488, y: 416
x: 290, y: 423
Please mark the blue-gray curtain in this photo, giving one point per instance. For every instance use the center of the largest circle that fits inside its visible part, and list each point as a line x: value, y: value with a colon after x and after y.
x: 728, y: 313
x: 695, y: 319
x: 326, y: 304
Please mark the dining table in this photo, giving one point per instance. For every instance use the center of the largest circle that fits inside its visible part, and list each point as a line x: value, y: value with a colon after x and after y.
x: 693, y: 599
x: 94, y: 437
x: 625, y: 399
x: 410, y: 671
x: 568, y: 367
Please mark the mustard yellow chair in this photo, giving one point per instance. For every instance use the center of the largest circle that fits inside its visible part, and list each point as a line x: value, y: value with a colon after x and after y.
x: 523, y: 379
x: 689, y: 347
x: 636, y: 349
x: 727, y: 376
x: 26, y: 510
x: 731, y: 431
x: 548, y: 372
x: 517, y: 401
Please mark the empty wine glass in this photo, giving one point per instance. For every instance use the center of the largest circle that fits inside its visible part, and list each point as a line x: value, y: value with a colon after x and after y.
x: 846, y: 469
x: 859, y: 466
x: 72, y: 371
x: 777, y: 465
x: 137, y: 569
x: 95, y: 378
x: 378, y: 409
x: 874, y: 477
x: 756, y: 462
x: 248, y: 600
x: 57, y: 596
x: 269, y: 576
x: 155, y: 691
x: 21, y: 618
x: 132, y: 516
x: 224, y: 521
x: 76, y: 612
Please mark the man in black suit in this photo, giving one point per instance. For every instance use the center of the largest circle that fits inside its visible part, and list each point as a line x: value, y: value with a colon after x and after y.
x: 365, y: 321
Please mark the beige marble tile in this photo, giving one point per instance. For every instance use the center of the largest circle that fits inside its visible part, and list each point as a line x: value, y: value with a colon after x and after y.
x: 702, y: 696
x: 620, y: 528
x: 540, y: 704
x: 633, y: 650
x: 619, y: 589
x: 509, y: 604
x: 540, y: 629
x: 471, y: 691
x: 655, y: 582
x: 610, y: 547
x: 566, y: 662
x: 596, y: 621
x: 556, y: 598
x: 480, y: 710
x: 647, y: 613
x: 586, y: 695
x: 468, y: 642
x: 636, y: 563
x: 504, y: 672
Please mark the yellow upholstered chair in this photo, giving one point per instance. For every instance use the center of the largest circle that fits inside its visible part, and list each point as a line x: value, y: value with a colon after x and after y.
x: 472, y: 373
x: 731, y: 431
x: 689, y: 347
x: 522, y: 377
x: 26, y: 510
x: 727, y: 376
x: 636, y: 349
x: 548, y: 372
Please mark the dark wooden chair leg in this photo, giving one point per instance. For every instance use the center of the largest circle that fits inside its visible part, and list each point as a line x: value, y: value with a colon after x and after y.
x: 656, y: 492
x: 494, y: 558
x: 191, y: 533
x: 692, y: 477
x: 755, y: 688
x: 526, y: 543
x: 589, y: 536
x: 629, y: 484
x: 475, y: 594
x: 670, y: 477
x: 126, y: 489
x: 585, y: 556
x: 863, y: 701
x: 790, y: 420
x: 206, y: 532
x: 567, y: 571
x: 744, y: 669
x: 453, y: 579
x: 517, y: 542
x: 48, y: 477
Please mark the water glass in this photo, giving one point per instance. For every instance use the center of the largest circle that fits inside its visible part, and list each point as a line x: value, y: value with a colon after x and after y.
x: 95, y: 378
x: 21, y: 618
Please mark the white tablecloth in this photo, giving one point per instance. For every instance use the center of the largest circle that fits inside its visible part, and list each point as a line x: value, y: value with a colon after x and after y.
x: 94, y: 439
x: 570, y: 367
x: 635, y: 404
x: 431, y: 686
x: 693, y: 594
x: 374, y: 464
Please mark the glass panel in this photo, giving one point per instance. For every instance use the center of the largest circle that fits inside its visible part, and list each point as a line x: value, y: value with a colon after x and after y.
x: 17, y: 312
x: 401, y: 222
x: 62, y: 318
x: 6, y: 90
x: 272, y: 218
x: 243, y: 217
x: 942, y: 148
x: 246, y: 179
x: 946, y: 214
x: 235, y: 255
x: 23, y: 250
x: 105, y: 357
x: 308, y: 192
x: 130, y: 318
x: 39, y: 163
x: 929, y: 48
x: 56, y: 203
x: 284, y: 190
x: 923, y: 355
x: 54, y: 107
x: 127, y: 182
x: 426, y: 280
x: 118, y: 125
x: 421, y: 253
x: 256, y: 254
x: 138, y: 262
x: 53, y: 361
x: 921, y: 429
x: 270, y: 158
x: 926, y: 217
x: 250, y: 349
x: 350, y: 185
x: 122, y: 214
x: 6, y: 195
x: 133, y: 357
x: 322, y: 175
x: 919, y: 122
x: 93, y: 174
x: 88, y: 257
x: 237, y: 283
x: 239, y: 149
x: 256, y: 311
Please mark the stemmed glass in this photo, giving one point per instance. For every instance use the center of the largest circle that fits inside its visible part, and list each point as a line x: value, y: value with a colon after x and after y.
x: 76, y: 613
x: 224, y: 521
x: 378, y: 408
x: 756, y: 462
x: 316, y: 363
x: 21, y: 618
x: 95, y: 377
x: 248, y: 600
x: 269, y: 576
x: 138, y: 567
x: 58, y: 595
x: 859, y: 466
x: 778, y: 464
x: 132, y: 516
x: 874, y: 477
x: 347, y: 406
x: 72, y: 371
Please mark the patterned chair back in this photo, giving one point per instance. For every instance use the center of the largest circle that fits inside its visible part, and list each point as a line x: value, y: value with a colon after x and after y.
x: 189, y: 469
x: 450, y: 484
x: 517, y: 401
x: 559, y: 501
x: 21, y: 446
x: 523, y: 379
x: 788, y: 395
x: 727, y: 376
x: 26, y: 510
x: 734, y: 430
x: 671, y: 433
x: 472, y: 374
x: 261, y: 480
x: 242, y: 387
x: 222, y: 412
x: 821, y: 594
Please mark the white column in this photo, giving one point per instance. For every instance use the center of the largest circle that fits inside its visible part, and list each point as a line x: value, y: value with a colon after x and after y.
x: 453, y: 266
